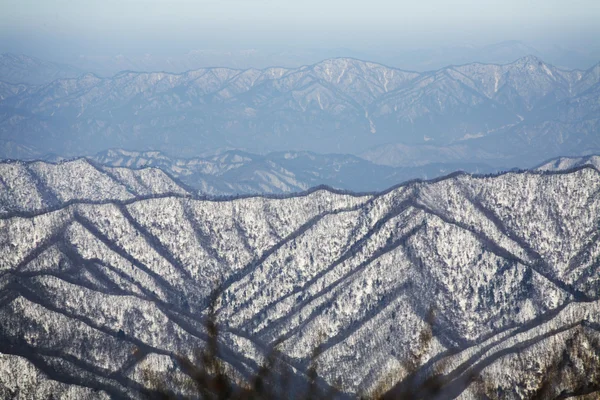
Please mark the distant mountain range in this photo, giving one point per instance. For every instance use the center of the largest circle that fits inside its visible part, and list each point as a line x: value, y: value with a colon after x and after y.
x: 486, y: 286
x: 504, y: 52
x: 235, y: 172
x: 240, y: 173
x: 19, y: 68
x: 514, y: 114
x: 414, y: 59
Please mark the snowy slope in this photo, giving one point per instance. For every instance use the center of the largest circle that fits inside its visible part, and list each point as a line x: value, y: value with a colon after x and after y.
x: 504, y: 268
x: 35, y: 186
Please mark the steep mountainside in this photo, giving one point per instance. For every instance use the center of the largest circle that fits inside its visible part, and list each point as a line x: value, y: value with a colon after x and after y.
x: 502, y: 271
x: 36, y: 186
x: 526, y: 108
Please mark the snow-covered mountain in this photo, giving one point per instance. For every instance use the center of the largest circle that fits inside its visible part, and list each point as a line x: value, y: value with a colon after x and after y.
x: 504, y: 114
x: 565, y: 163
x: 485, y: 282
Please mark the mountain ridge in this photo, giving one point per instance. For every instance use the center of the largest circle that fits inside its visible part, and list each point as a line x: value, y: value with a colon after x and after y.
x: 509, y: 261
x: 191, y: 193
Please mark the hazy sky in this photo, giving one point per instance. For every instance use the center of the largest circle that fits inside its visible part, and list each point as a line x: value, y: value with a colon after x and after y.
x: 62, y: 27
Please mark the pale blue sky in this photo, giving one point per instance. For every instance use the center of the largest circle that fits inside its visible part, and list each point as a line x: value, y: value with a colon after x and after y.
x: 160, y: 25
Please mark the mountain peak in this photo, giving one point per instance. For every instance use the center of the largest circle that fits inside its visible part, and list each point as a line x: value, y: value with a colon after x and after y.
x: 345, y: 62
x: 529, y: 60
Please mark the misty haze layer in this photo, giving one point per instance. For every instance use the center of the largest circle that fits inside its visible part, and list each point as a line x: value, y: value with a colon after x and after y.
x: 62, y: 30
